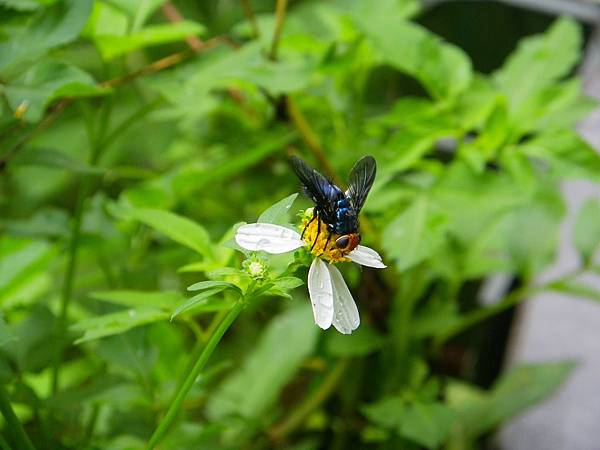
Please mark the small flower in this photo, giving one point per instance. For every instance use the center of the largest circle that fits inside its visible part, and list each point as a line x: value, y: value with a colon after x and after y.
x: 255, y: 267
x: 330, y: 297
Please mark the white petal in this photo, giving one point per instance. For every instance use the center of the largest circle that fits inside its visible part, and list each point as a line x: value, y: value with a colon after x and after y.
x: 267, y: 237
x: 345, y: 312
x: 321, y: 293
x: 366, y: 256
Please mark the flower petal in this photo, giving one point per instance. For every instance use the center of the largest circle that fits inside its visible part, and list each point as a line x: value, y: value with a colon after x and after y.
x: 345, y: 312
x: 321, y: 293
x: 267, y: 237
x: 366, y: 256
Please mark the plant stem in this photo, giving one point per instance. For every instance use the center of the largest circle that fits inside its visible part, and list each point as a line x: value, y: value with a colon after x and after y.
x: 3, y: 444
x: 303, y: 411
x: 481, y: 314
x: 96, y: 147
x: 309, y: 137
x: 192, y: 375
x: 279, y: 18
x: 251, y: 18
x: 13, y: 424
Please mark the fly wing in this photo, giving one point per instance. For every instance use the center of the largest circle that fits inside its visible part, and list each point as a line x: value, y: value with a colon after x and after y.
x: 320, y: 190
x: 360, y: 181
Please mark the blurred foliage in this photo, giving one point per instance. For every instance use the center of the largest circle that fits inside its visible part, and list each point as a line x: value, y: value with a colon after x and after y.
x: 133, y: 140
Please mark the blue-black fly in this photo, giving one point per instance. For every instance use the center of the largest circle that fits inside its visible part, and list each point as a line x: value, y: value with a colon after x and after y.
x: 337, y: 209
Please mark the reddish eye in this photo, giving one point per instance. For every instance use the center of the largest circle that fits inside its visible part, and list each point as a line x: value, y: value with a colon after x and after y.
x: 342, y: 242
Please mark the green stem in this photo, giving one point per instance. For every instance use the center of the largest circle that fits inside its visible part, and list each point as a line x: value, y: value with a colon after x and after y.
x: 279, y: 18
x: 67, y: 287
x: 13, y: 424
x: 312, y: 402
x: 192, y: 375
x: 251, y: 18
x: 481, y: 314
x: 3, y: 444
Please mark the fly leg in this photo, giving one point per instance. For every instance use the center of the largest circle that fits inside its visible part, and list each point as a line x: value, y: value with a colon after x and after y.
x: 318, y: 232
x: 327, y: 241
x: 309, y: 222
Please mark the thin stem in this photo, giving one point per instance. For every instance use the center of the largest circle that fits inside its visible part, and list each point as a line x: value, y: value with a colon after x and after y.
x: 13, y: 424
x: 279, y: 19
x: 3, y: 444
x: 251, y: 18
x: 95, y: 141
x: 309, y: 137
x: 192, y: 375
x: 481, y: 314
x: 312, y: 402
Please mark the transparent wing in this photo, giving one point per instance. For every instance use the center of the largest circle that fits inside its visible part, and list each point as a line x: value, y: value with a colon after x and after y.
x: 360, y: 181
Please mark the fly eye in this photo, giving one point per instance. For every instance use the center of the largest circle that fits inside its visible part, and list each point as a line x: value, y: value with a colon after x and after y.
x: 342, y: 242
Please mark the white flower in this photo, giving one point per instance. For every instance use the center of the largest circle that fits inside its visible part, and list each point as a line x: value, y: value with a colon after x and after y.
x: 330, y: 297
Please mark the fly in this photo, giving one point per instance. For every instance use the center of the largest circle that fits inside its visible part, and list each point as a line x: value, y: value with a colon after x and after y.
x: 337, y: 209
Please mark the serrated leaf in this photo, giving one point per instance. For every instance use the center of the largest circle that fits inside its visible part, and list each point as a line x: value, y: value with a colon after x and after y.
x: 566, y: 153
x: 161, y: 300
x: 540, y: 60
x: 443, y: 69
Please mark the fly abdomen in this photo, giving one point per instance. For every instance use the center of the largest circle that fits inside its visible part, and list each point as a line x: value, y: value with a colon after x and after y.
x: 346, y: 220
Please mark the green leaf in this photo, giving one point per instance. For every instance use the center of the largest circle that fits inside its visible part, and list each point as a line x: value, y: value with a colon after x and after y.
x: 516, y: 391
x: 24, y: 270
x: 133, y: 299
x: 111, y: 46
x: 540, y: 60
x: 268, y: 368
x: 55, y: 25
x: 364, y: 341
x: 5, y: 334
x: 193, y: 179
x: 181, y: 229
x: 586, y: 232
x: 443, y: 69
x: 426, y: 423
x: 138, y: 11
x: 415, y: 234
x: 204, y: 302
x: 279, y: 213
x: 202, y: 285
x: 117, y: 323
x: 46, y: 157
x: 47, y: 81
x: 566, y: 153
x: 282, y: 286
x: 573, y: 288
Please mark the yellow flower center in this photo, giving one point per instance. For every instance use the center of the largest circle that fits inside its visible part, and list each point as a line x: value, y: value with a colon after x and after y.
x: 323, y: 247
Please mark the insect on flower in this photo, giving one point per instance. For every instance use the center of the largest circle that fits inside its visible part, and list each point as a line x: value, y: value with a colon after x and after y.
x: 336, y: 208
x: 330, y: 233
